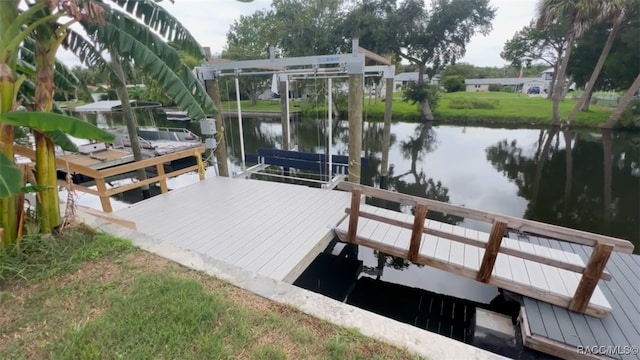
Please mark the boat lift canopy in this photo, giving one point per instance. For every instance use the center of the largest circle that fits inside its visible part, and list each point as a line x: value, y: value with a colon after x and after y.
x: 320, y: 66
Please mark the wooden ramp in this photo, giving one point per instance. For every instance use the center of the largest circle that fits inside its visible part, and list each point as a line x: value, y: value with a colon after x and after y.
x: 270, y: 228
x: 551, y: 275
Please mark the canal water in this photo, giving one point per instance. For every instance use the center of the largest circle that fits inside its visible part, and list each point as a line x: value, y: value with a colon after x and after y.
x: 583, y: 179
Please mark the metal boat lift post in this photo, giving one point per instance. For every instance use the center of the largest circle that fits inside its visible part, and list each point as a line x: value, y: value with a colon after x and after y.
x: 343, y: 65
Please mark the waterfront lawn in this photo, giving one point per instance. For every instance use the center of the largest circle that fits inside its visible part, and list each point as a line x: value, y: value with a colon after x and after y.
x: 516, y: 108
x: 92, y: 296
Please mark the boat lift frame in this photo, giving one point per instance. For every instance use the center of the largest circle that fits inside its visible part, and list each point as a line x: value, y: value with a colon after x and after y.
x: 320, y: 66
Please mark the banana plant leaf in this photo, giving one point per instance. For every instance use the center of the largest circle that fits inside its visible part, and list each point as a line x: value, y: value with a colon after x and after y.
x: 10, y: 178
x: 46, y: 121
x: 61, y: 139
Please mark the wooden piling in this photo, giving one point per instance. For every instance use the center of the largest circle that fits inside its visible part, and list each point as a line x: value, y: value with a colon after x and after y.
x: 355, y: 126
x: 284, y: 97
x: 220, y: 152
x: 386, y: 133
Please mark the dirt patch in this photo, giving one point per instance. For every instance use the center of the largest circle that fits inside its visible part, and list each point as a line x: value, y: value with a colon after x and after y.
x: 147, y: 262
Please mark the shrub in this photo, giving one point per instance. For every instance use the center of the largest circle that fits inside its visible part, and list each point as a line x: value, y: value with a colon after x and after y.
x: 459, y: 103
x: 462, y: 103
x: 630, y: 119
x: 495, y: 87
x: 484, y: 104
x: 507, y: 89
x: 453, y: 83
x: 416, y: 93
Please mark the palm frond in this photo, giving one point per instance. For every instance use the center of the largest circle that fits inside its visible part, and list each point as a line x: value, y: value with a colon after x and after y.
x: 85, y: 50
x: 161, y: 21
x: 136, y: 42
x: 63, y: 78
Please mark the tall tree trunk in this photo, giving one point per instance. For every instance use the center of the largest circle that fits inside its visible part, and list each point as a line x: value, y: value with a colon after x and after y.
x: 622, y: 105
x: 49, y: 206
x: 554, y: 77
x: 427, y: 114
x: 607, y: 166
x: 129, y: 118
x: 587, y: 101
x: 386, y: 133
x: 588, y: 90
x: 559, y: 84
x: 220, y: 152
x: 8, y: 208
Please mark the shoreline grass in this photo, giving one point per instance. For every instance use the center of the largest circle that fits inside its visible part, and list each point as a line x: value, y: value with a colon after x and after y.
x: 97, y: 297
x: 510, y: 109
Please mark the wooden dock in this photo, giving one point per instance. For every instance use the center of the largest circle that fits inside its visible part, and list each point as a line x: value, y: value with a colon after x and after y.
x: 559, y: 332
x: 100, y: 160
x: 273, y: 229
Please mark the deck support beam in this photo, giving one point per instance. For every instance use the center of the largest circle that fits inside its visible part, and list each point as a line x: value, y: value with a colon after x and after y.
x: 491, y: 252
x: 589, y: 280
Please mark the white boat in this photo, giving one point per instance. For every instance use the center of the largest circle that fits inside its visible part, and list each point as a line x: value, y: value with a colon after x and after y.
x: 176, y: 115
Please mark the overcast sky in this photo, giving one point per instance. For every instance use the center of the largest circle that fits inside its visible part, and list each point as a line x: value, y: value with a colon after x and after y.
x: 209, y: 21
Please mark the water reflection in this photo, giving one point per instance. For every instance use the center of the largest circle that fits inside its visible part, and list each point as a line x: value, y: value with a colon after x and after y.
x: 575, y: 184
x: 586, y: 180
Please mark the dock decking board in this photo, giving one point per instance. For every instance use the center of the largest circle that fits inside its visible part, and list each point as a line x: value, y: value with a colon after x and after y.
x: 271, y: 228
x: 552, y: 284
x: 622, y: 326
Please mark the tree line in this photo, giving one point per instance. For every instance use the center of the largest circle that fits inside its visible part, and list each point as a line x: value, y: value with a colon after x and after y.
x: 592, y: 43
x: 428, y: 35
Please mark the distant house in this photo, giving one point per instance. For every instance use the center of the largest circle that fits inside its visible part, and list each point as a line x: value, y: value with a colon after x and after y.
x: 519, y: 84
x: 475, y: 85
x: 400, y: 81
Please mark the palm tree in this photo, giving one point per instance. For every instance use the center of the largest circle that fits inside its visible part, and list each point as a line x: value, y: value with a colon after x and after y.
x: 618, y: 11
x: 578, y: 14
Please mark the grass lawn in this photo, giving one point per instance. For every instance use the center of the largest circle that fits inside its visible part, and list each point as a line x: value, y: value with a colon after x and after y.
x: 514, y: 108
x: 509, y: 109
x: 92, y: 296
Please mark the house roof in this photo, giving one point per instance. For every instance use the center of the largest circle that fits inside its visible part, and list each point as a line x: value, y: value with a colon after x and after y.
x: 114, y: 105
x: 500, y: 81
x: 407, y: 76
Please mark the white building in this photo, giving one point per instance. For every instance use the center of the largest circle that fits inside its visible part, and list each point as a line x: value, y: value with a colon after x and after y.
x: 519, y: 84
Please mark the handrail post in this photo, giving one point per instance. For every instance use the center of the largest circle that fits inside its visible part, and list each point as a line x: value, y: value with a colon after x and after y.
x: 416, y: 232
x: 163, y: 179
x: 201, y: 168
x: 105, y: 201
x: 354, y: 215
x: 589, y: 280
x: 491, y: 251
